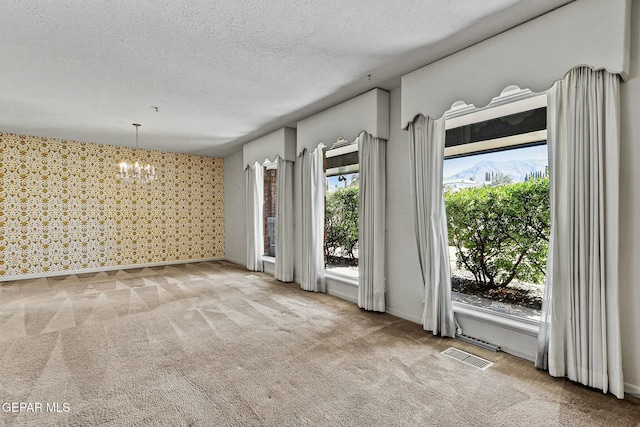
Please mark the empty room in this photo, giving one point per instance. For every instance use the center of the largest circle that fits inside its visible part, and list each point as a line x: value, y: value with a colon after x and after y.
x: 320, y: 213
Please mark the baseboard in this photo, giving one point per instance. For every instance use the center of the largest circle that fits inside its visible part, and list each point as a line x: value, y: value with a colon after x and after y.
x: 101, y: 269
x: 342, y: 296
x: 235, y: 261
x: 403, y: 315
x: 632, y: 389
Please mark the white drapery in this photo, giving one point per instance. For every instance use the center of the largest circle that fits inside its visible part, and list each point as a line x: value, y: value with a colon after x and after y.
x: 312, y: 179
x: 426, y: 140
x: 254, y: 182
x: 284, y: 221
x: 580, y: 328
x: 372, y: 223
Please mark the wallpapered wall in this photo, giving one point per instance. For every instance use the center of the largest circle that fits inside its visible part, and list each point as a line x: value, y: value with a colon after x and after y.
x: 62, y: 209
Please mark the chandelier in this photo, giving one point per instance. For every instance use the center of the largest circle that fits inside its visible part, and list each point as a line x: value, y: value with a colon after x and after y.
x: 136, y: 172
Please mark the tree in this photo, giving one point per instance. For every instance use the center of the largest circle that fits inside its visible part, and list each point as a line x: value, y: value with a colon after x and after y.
x: 501, y: 233
x: 537, y: 174
x: 500, y: 179
x: 341, y: 223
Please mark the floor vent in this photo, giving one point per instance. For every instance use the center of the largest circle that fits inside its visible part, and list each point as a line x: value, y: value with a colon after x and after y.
x: 468, y: 358
x: 478, y: 342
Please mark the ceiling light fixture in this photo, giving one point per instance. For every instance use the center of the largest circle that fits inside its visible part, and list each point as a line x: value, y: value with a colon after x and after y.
x: 135, y: 172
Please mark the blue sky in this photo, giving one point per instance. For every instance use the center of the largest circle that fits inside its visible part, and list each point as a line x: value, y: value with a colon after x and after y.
x: 453, y: 166
x: 333, y: 182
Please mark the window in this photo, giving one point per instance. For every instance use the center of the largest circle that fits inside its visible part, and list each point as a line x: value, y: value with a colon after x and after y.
x: 270, y: 177
x: 496, y: 187
x: 341, y: 208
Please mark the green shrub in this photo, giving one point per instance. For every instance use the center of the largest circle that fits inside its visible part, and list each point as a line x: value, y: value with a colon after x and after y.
x: 501, y: 233
x: 341, y: 221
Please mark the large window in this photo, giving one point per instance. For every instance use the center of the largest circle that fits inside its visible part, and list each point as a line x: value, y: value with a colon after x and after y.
x: 269, y: 208
x: 497, y: 204
x: 341, y: 204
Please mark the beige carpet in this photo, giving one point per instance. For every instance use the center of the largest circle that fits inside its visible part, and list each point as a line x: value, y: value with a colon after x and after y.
x: 212, y: 344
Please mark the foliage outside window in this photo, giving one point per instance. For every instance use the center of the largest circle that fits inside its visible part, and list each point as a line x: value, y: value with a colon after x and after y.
x: 501, y: 232
x: 341, y: 241
x: 341, y: 212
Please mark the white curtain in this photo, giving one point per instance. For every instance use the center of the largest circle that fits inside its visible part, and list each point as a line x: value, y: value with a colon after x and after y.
x: 313, y: 190
x: 426, y: 140
x: 284, y: 221
x: 580, y: 329
x: 254, y: 180
x: 372, y: 223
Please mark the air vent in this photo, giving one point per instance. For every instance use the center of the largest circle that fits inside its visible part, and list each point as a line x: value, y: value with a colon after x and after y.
x: 478, y: 342
x: 467, y: 358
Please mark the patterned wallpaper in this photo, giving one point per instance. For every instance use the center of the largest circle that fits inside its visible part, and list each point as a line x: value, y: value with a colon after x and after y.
x: 61, y: 207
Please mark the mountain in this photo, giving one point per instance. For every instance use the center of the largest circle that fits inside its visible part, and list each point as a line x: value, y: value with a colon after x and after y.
x: 516, y: 169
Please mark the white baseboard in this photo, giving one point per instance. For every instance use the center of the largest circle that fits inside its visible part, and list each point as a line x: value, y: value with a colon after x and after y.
x: 101, y: 269
x: 632, y: 389
x: 341, y: 295
x: 403, y: 315
x: 235, y: 261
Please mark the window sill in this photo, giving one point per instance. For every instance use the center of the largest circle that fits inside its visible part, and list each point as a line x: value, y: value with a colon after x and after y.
x: 517, y: 324
x: 268, y: 259
x: 342, y: 278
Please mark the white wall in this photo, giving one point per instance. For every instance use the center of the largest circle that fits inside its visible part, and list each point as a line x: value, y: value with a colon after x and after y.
x: 405, y: 294
x: 235, y: 232
x: 537, y: 53
x: 368, y: 111
x: 280, y: 143
x: 630, y: 212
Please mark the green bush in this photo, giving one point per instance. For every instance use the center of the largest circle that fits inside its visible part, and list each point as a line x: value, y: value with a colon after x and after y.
x: 501, y: 233
x: 341, y: 222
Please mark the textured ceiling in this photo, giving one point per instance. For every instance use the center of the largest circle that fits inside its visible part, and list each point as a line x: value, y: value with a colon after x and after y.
x: 220, y: 72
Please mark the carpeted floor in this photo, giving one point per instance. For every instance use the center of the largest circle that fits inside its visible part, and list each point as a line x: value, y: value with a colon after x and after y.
x: 211, y: 344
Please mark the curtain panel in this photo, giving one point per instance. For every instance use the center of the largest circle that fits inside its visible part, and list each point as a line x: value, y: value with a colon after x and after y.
x: 284, y: 221
x: 254, y: 181
x: 426, y: 140
x: 580, y: 327
x: 312, y: 180
x: 372, y: 223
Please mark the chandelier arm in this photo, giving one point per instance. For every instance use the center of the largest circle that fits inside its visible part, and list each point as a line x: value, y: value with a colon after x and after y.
x: 135, y: 172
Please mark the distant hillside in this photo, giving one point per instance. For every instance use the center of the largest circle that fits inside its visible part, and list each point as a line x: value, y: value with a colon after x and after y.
x: 516, y: 169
